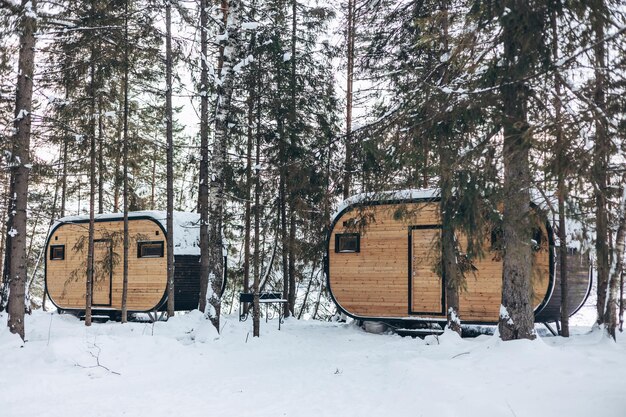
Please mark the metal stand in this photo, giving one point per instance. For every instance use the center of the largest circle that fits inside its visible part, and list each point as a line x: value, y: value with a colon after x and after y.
x: 551, y: 330
x: 264, y: 298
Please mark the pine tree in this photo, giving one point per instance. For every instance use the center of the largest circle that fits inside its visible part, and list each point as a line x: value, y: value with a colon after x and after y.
x: 20, y: 166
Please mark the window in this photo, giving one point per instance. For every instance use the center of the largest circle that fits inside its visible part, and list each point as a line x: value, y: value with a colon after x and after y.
x: 150, y: 249
x: 57, y: 252
x: 347, y: 243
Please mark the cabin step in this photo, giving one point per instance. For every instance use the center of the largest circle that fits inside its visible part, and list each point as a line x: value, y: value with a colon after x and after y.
x: 100, y: 318
x: 418, y: 332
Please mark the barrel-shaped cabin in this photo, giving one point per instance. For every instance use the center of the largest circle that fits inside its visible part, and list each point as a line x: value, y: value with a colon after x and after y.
x: 66, y: 262
x: 384, y: 256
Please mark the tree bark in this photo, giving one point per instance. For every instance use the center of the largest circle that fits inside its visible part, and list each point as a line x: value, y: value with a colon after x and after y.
x: 256, y: 310
x: 100, y: 159
x: 283, y: 235
x: 169, y: 133
x: 92, y: 188
x: 118, y: 177
x: 125, y: 168
x: 20, y: 167
x: 516, y: 313
x: 64, y: 178
x: 601, y: 150
x: 621, y: 301
x: 250, y: 139
x: 153, y: 179
x: 203, y: 190
x: 561, y: 147
x: 451, y: 275
x: 291, y: 184
x: 612, y: 298
x: 223, y: 116
x: 347, y: 176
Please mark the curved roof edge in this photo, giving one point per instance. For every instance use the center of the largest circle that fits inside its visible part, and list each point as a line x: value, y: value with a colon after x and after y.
x: 396, y: 195
x: 186, y: 226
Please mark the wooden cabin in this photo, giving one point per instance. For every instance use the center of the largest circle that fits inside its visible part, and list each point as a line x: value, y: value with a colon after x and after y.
x: 66, y: 262
x: 383, y: 263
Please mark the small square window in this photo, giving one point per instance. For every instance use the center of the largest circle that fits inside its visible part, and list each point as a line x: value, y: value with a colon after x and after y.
x: 57, y: 252
x: 347, y: 243
x: 150, y: 249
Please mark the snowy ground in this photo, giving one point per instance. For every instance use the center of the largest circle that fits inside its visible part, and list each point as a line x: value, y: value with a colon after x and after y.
x: 309, y: 368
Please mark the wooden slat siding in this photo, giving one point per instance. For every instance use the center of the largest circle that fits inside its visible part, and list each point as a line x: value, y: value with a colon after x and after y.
x: 426, y: 287
x: 374, y: 282
x: 147, y: 276
x: 186, y: 282
x: 483, y: 296
x: 578, y: 279
x: 102, y: 273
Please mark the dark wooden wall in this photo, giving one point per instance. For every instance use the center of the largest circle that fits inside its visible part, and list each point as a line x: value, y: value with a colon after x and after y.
x: 579, y: 280
x: 186, y: 282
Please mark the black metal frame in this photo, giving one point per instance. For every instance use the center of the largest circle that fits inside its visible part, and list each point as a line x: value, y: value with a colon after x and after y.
x: 151, y: 242
x: 443, y: 281
x: 371, y: 203
x: 110, y: 274
x: 338, y: 237
x: 268, y: 298
x: 52, y: 248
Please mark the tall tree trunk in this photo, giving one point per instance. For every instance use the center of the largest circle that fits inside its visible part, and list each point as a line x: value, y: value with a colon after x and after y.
x: 451, y: 274
x: 601, y: 150
x: 100, y: 159
x: 153, y: 179
x: 516, y: 313
x: 92, y: 186
x: 291, y: 184
x: 203, y: 190
x: 118, y: 176
x: 169, y: 133
x: 223, y: 122
x: 256, y: 308
x: 64, y: 178
x: 125, y: 168
x: 292, y: 262
x: 3, y: 243
x: 561, y: 145
x: 20, y: 166
x: 252, y: 96
x: 282, y: 203
x: 621, y: 301
x: 347, y: 176
x: 611, y: 303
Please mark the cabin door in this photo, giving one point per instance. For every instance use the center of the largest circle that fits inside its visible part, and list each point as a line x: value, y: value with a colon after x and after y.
x: 103, y: 272
x: 426, y: 290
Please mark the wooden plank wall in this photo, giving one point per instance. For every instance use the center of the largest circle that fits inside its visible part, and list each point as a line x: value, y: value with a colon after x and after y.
x: 426, y: 285
x: 66, y: 279
x: 578, y: 277
x: 482, y: 300
x: 374, y: 282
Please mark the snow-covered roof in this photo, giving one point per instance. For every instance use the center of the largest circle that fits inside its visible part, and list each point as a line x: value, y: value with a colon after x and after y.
x: 186, y: 226
x: 396, y: 195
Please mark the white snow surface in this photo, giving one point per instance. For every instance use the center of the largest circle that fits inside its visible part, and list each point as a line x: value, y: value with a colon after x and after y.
x: 309, y: 368
x: 186, y: 227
